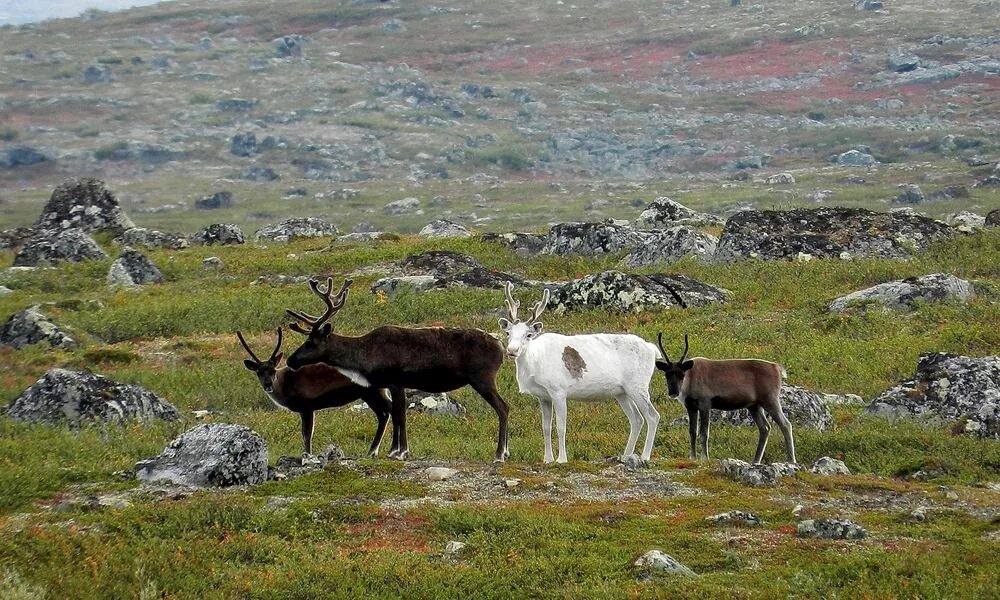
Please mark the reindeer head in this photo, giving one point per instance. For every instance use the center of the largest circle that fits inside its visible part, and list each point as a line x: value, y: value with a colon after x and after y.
x: 318, y: 329
x: 520, y: 332
x: 673, y: 371
x: 265, y: 369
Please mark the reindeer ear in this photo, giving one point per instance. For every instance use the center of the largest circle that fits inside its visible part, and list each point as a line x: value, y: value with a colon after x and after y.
x: 662, y: 365
x: 686, y: 365
x: 536, y: 327
x: 505, y: 325
x: 325, y: 330
x: 278, y: 357
x: 249, y: 364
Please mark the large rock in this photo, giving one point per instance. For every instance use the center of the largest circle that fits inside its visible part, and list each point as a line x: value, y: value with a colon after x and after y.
x: 404, y: 206
x: 591, y: 239
x: 831, y: 529
x: 902, y: 63
x: 617, y: 291
x: 15, y: 237
x: 966, y: 221
x: 50, y: 247
x: 62, y: 395
x: 30, y: 326
x: 993, y: 218
x: 672, y: 244
x: 223, y: 199
x: 456, y: 269
x: 21, y: 156
x: 84, y: 204
x: 294, y: 228
x: 150, y: 238
x: 827, y: 233
x: 524, y: 244
x: 756, y: 475
x: 951, y: 389
x: 219, y: 234
x: 132, y: 269
x: 803, y: 407
x: 209, y: 455
x: 443, y: 228
x: 856, y: 158
x: 906, y: 294
x: 243, y: 144
x: 826, y: 465
x: 666, y: 213
x: 657, y: 562
x: 910, y: 193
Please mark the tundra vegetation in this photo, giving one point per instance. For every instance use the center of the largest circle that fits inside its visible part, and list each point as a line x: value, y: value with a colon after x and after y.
x: 561, y: 120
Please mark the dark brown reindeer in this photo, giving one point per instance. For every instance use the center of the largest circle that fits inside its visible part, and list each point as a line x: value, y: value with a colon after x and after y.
x: 702, y: 384
x: 314, y: 388
x: 428, y: 359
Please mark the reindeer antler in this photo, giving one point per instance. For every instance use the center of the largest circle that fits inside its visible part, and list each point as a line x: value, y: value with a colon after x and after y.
x: 277, y: 347
x: 332, y: 305
x: 512, y: 304
x: 539, y: 307
x: 659, y: 341
x: 683, y: 356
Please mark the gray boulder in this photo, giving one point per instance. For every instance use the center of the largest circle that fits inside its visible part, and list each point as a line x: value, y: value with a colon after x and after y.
x: 50, y: 247
x: 295, y: 228
x: 592, y: 239
x: 150, y: 238
x: 523, y: 244
x: 868, y: 5
x: 803, y: 407
x: 390, y: 286
x: 910, y: 194
x: 831, y: 529
x: 132, y: 268
x: 21, y: 156
x: 214, y: 201
x: 456, y: 270
x: 30, y: 326
x: 235, y: 104
x: 97, y: 74
x: 15, y: 237
x: 219, y: 234
x: 260, y: 174
x: 735, y: 517
x: 617, y: 291
x: 443, y: 228
x: 243, y: 144
x: 829, y: 466
x: 756, y: 475
x: 671, y: 245
x: 906, y: 294
x: 209, y: 455
x: 948, y: 388
x: 404, y: 206
x: 288, y: 46
x: 901, y: 63
x: 829, y: 232
x: 666, y: 213
x: 434, y: 404
x: 780, y: 179
x: 85, y: 204
x: 965, y: 221
x: 992, y: 218
x: 657, y: 562
x: 856, y: 158
x: 65, y: 396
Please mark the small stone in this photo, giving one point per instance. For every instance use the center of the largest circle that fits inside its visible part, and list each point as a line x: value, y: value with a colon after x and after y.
x: 950, y: 495
x: 919, y: 514
x: 212, y: 263
x: 797, y: 510
x: 830, y: 466
x: 440, y: 473
x: 831, y: 529
x: 511, y: 483
x: 657, y: 562
x: 735, y: 517
x: 443, y: 228
x: 454, y: 547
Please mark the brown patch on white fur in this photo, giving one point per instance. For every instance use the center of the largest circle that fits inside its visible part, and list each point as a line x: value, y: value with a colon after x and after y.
x: 574, y: 362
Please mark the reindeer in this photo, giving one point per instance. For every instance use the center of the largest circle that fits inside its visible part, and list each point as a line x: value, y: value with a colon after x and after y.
x: 555, y: 368
x: 428, y: 359
x: 313, y: 388
x: 701, y: 384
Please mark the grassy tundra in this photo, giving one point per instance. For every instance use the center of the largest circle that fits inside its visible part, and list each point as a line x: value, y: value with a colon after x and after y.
x: 365, y: 526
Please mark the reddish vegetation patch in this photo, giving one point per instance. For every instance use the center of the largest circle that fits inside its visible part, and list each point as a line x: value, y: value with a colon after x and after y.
x: 390, y: 531
x: 775, y: 59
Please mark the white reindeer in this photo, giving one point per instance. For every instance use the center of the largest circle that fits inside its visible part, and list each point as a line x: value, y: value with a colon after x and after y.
x: 555, y: 368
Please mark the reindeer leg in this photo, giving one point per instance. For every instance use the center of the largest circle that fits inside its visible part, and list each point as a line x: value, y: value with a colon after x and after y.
x: 704, y: 415
x: 693, y: 432
x: 546, y: 405
x: 401, y: 449
x: 380, y: 406
x: 644, y: 405
x: 488, y: 390
x: 634, y: 423
x: 786, y: 430
x: 763, y: 429
x: 308, y: 425
x: 559, y: 404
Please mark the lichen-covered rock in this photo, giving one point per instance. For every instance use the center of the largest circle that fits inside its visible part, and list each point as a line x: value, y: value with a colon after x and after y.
x: 294, y: 228
x: 209, y: 455
x: 30, y: 326
x: 390, y: 286
x: 403, y: 206
x: 443, y: 228
x: 456, y: 270
x: 617, y: 291
x: 657, y: 562
x: 756, y: 475
x: 243, y: 144
x: 592, y: 239
x: 831, y: 529
x: 83, y: 204
x: 133, y: 268
x: 906, y: 294
x: 829, y: 232
x: 665, y: 213
x: 965, y: 221
x: 992, y: 218
x: 523, y: 244
x: 214, y: 201
x: 735, y: 517
x: 62, y: 395
x: 902, y: 63
x: 70, y: 245
x: 951, y: 389
x: 802, y: 407
x: 829, y: 466
x: 434, y: 404
x: 150, y: 238
x: 219, y: 234
x: 910, y: 194
x: 15, y: 238
x: 672, y: 244
x: 780, y: 179
x: 856, y: 158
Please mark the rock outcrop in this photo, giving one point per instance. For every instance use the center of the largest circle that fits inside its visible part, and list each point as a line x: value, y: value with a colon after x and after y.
x: 294, y: 228
x: 592, y: 239
x: 665, y: 213
x: 907, y: 294
x: 756, y: 475
x: 50, y: 247
x: 132, y: 269
x: 948, y: 388
x: 150, y: 238
x: 65, y: 396
x: 209, y: 455
x: 657, y: 562
x: 827, y: 233
x: 443, y: 228
x: 83, y: 204
x: 30, y: 326
x: 671, y: 245
x: 219, y: 234
x: 617, y: 291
